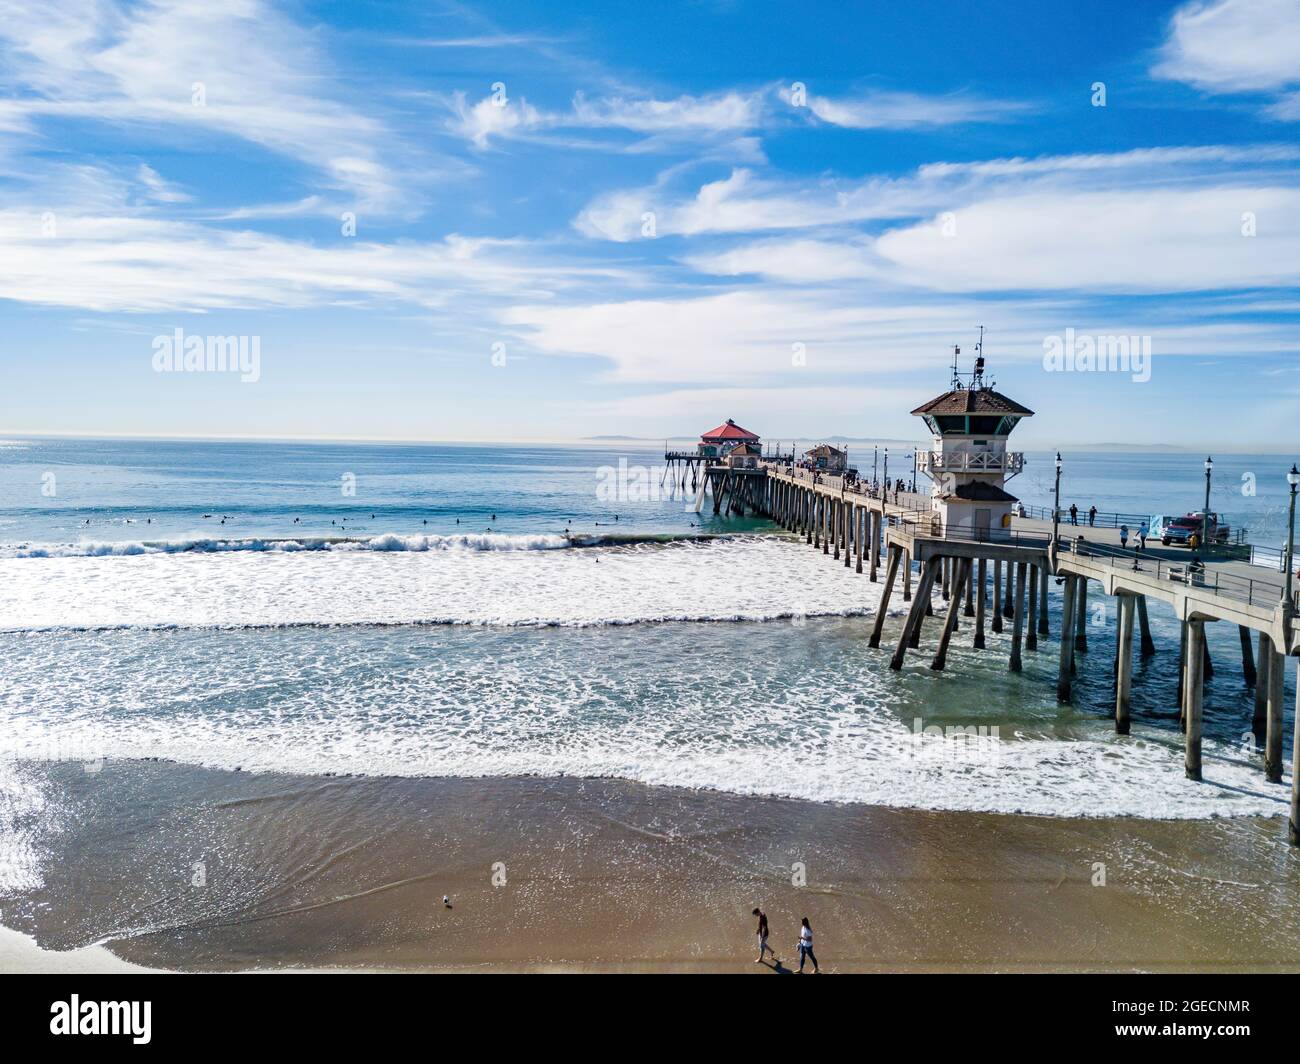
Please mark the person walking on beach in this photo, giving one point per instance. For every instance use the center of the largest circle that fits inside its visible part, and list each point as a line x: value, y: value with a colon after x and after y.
x: 763, y: 947
x: 1143, y: 532
x: 805, y: 946
x: 1074, y: 514
x: 1123, y: 537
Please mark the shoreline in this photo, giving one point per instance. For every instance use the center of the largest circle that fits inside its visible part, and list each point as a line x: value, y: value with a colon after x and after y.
x: 570, y: 874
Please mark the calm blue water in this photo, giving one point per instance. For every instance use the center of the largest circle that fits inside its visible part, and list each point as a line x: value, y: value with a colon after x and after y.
x: 123, y: 490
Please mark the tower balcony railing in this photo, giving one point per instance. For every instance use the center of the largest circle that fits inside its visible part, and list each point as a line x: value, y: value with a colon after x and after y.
x: 1006, y: 462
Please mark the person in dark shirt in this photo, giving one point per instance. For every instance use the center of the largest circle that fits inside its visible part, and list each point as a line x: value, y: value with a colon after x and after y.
x: 763, y: 947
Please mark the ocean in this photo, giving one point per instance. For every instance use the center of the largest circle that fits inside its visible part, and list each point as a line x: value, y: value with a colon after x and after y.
x: 471, y: 611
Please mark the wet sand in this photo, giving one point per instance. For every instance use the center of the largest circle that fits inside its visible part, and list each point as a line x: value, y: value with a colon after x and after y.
x: 177, y: 867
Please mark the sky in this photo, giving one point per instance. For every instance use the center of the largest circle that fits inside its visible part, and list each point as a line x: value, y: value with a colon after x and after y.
x: 442, y: 221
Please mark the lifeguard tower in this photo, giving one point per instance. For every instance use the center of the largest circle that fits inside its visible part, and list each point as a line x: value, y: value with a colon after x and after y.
x: 969, y: 464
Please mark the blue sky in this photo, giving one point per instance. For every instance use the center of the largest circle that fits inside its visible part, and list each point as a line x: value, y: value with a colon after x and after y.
x: 583, y: 219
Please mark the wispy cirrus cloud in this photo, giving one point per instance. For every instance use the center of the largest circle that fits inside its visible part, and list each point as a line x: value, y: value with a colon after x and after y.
x: 908, y: 110
x: 683, y: 118
x: 1237, y: 46
x: 238, y: 69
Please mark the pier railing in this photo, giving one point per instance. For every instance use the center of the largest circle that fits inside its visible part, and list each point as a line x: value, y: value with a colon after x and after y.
x: 1251, y: 591
x: 1237, y: 537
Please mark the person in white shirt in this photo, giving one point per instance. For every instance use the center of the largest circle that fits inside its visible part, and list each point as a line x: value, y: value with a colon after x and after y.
x: 805, y: 946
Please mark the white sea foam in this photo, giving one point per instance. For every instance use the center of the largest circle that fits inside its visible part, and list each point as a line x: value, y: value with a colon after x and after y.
x: 395, y: 580
x: 485, y: 541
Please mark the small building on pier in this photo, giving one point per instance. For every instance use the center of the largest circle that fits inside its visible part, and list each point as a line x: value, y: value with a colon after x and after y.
x: 744, y: 456
x: 969, y: 464
x: 718, y: 443
x: 827, y: 459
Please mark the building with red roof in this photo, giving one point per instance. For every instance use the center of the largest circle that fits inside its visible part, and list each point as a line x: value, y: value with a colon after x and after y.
x: 718, y: 443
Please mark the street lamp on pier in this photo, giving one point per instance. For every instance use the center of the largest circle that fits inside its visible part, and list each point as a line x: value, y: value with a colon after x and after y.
x: 1056, y: 509
x: 1205, y: 514
x: 1292, y: 478
x: 886, y: 475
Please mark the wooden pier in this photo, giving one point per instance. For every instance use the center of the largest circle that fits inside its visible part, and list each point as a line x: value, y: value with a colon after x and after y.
x: 887, y: 535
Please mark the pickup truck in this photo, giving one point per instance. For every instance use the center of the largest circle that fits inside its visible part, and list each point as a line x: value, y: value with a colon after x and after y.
x: 1179, y: 530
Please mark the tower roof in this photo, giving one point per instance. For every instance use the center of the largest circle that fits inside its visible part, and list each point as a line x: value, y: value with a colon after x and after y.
x: 973, y: 401
x: 729, y: 431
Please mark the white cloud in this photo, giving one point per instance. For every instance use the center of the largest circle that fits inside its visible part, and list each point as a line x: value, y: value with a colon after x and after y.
x: 667, y: 122
x: 1118, y: 240
x: 721, y: 113
x: 125, y: 262
x: 1233, y: 45
x: 795, y: 261
x: 260, y: 75
x: 906, y: 110
x: 742, y: 203
x: 489, y: 118
x: 159, y: 190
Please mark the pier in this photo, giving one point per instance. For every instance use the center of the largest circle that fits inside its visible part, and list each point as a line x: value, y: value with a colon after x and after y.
x: 966, y: 544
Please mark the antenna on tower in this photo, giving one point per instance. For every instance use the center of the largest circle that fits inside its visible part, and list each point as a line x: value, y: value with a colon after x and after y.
x: 956, y: 375
x: 977, y: 378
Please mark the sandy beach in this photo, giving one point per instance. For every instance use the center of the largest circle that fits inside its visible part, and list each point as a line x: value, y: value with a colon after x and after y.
x: 200, y: 870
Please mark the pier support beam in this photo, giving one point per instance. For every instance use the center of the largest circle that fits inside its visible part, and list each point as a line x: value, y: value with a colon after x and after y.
x: 1067, y: 642
x: 960, y: 581
x: 1031, y: 624
x: 1148, y: 645
x: 1081, y: 621
x: 1043, y: 627
x: 874, y: 536
x: 1259, y: 723
x: 837, y: 526
x: 1276, y: 667
x: 981, y: 590
x: 1293, y: 826
x: 997, y: 594
x: 907, y: 576
x: 916, y: 614
x: 1194, y: 696
x: 863, y: 518
x: 1247, y: 657
x: 1009, y: 606
x: 1124, y: 664
x: 891, y: 574
x: 1018, y: 614
x: 969, y: 611
x: 850, y: 533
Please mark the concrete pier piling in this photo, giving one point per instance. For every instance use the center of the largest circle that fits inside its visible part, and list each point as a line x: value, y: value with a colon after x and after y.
x: 1124, y: 664
x: 961, y: 567
x: 1276, y: 667
x: 1068, y: 617
x: 1081, y: 621
x: 912, y: 628
x: 1031, y: 623
x: 1193, y: 696
x: 1018, y: 617
x: 891, y: 574
x: 861, y: 524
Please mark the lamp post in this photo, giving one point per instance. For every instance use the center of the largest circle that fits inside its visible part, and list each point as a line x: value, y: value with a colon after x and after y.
x: 1292, y: 478
x: 1205, y: 514
x: 1056, y: 510
x: 875, y: 465
x: 886, y: 477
